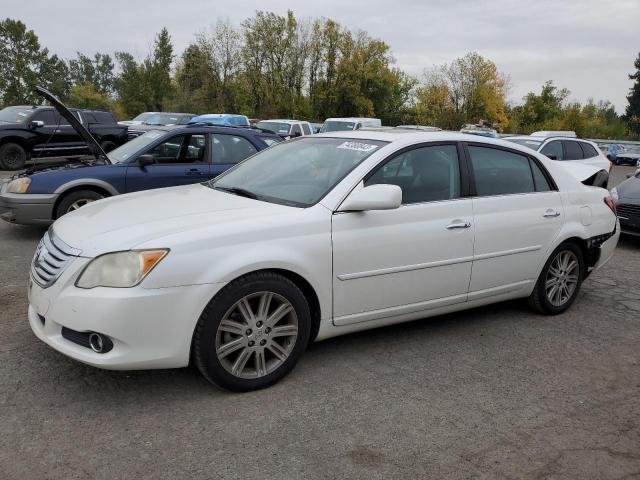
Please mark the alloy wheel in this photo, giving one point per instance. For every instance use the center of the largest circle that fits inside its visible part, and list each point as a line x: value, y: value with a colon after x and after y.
x: 79, y: 203
x: 562, y: 278
x: 256, y: 335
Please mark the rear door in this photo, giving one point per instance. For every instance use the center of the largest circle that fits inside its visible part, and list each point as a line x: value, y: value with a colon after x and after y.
x: 227, y: 150
x: 179, y: 160
x: 517, y: 215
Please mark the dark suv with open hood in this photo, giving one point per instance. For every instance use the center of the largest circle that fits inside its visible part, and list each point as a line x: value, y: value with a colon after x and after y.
x: 29, y: 132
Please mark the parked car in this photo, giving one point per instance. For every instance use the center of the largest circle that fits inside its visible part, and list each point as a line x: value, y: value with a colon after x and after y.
x: 350, y: 123
x: 479, y: 130
x: 159, y: 118
x: 222, y: 119
x: 424, y: 128
x: 287, y: 128
x: 312, y: 238
x: 316, y: 127
x: 162, y: 157
x: 627, y: 198
x: 629, y: 156
x: 563, y: 148
x: 29, y: 132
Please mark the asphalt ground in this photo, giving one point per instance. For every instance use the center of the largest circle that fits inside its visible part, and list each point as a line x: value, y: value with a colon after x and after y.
x: 494, y: 392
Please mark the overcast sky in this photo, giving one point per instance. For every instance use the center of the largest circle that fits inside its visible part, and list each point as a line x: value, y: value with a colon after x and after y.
x: 587, y: 46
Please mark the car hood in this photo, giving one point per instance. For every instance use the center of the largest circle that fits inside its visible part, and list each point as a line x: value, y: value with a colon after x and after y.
x: 629, y: 189
x: 126, y: 221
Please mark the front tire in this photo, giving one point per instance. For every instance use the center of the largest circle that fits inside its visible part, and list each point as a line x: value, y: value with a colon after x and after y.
x: 12, y: 156
x: 75, y: 200
x: 252, y: 333
x: 560, y: 280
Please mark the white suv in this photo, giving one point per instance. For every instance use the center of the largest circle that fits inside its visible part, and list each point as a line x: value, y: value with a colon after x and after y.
x: 560, y: 147
x: 287, y: 128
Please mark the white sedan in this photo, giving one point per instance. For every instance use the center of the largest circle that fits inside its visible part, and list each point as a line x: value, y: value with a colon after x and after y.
x: 316, y: 237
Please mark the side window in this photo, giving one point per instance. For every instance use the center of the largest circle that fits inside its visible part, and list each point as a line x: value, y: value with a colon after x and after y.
x: 574, y: 152
x: 230, y: 149
x: 296, y: 131
x: 45, y: 116
x: 425, y: 174
x: 542, y: 184
x: 89, y: 117
x: 180, y: 149
x: 306, y: 129
x: 499, y: 172
x: 588, y: 150
x: 553, y: 150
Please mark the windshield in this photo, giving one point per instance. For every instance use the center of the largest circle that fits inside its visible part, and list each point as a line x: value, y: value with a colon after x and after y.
x: 161, y: 119
x: 526, y: 142
x: 142, y: 117
x: 296, y: 173
x: 275, y: 127
x: 14, y: 114
x: 337, y: 126
x: 125, y: 151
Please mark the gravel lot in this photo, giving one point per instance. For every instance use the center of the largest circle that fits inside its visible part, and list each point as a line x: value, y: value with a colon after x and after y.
x: 495, y: 392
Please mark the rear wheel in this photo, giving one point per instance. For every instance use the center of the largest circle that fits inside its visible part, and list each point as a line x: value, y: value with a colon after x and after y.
x: 75, y: 200
x: 560, y: 280
x: 12, y: 156
x: 252, y: 333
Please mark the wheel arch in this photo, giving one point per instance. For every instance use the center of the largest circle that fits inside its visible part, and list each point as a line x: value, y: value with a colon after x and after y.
x: 98, y: 188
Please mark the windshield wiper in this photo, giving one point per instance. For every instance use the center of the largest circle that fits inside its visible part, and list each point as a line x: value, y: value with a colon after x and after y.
x: 237, y: 191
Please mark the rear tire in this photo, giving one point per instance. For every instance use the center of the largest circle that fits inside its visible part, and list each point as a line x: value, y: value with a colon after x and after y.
x: 560, y: 280
x: 74, y: 200
x: 12, y: 156
x: 243, y: 341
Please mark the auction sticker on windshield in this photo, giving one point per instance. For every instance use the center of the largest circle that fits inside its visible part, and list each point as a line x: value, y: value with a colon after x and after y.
x: 358, y: 146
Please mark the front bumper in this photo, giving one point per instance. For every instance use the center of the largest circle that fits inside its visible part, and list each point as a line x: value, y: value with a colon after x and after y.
x: 149, y: 328
x: 27, y: 208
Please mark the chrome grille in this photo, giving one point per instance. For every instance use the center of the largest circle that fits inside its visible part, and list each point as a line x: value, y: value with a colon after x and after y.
x: 628, y: 210
x: 51, y: 258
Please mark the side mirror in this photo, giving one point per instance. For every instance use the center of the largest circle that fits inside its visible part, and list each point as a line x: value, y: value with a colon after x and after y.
x: 373, y: 197
x: 552, y: 157
x: 36, y: 124
x: 146, y: 160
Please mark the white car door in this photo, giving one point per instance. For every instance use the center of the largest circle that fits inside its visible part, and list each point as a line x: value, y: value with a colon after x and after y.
x: 417, y: 257
x: 517, y: 215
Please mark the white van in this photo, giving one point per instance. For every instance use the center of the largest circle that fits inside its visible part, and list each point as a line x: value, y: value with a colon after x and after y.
x: 350, y: 123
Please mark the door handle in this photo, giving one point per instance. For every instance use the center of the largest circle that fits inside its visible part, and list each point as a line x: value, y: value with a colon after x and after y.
x: 550, y: 213
x: 458, y: 224
x: 194, y: 171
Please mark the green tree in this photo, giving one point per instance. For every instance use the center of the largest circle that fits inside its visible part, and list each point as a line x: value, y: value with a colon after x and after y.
x: 132, y: 89
x: 85, y: 95
x: 53, y: 74
x: 98, y: 71
x: 632, y: 112
x: 20, y: 59
x: 157, y: 69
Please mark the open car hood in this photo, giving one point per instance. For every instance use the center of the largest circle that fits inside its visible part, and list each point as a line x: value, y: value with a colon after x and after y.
x: 91, y: 142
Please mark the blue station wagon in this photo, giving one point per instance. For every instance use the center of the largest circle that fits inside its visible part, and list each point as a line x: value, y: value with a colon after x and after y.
x: 162, y: 157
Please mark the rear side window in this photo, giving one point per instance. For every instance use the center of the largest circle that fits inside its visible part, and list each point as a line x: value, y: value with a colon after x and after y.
x: 306, y: 129
x: 89, y: 117
x: 553, y: 150
x: 499, y: 172
x: 104, y: 117
x: 229, y: 149
x: 295, y: 131
x: 573, y: 150
x: 539, y: 178
x: 588, y: 150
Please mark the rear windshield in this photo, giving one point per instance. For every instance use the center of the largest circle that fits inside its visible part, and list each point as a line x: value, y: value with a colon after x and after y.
x: 14, y: 114
x: 275, y: 127
x: 337, y: 126
x: 525, y: 142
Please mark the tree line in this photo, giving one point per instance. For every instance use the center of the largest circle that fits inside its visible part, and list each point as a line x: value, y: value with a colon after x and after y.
x: 277, y: 66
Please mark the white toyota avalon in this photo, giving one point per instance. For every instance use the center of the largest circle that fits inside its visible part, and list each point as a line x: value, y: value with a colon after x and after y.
x: 312, y: 238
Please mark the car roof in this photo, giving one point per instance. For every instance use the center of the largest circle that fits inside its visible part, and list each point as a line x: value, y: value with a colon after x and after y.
x: 213, y: 129
x: 284, y: 120
x: 394, y: 135
x: 350, y: 119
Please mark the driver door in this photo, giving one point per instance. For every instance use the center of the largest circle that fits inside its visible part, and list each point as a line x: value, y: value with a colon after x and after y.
x: 392, y: 262
x: 179, y: 160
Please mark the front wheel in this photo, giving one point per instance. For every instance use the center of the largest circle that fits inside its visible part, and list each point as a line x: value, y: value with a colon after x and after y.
x: 252, y: 333
x: 12, y: 156
x: 560, y: 280
x: 76, y: 200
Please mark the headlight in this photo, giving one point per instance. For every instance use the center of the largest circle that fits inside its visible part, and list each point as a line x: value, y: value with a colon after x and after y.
x: 614, y: 194
x: 19, y: 185
x: 120, y: 269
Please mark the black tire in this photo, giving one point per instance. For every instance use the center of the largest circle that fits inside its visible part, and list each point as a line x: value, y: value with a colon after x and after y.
x: 538, y: 300
x: 204, y: 337
x: 77, y: 196
x: 12, y: 156
x: 107, y: 146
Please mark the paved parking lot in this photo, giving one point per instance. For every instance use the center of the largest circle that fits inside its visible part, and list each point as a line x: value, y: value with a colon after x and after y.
x: 496, y: 392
